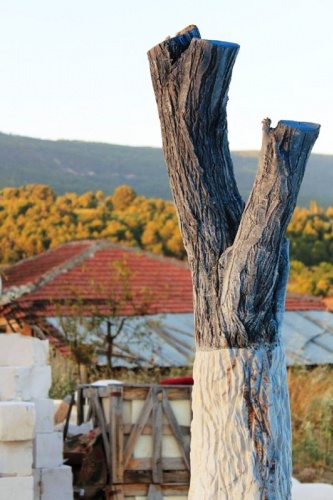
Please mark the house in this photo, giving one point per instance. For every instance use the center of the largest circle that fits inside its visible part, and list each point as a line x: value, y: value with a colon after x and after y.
x: 87, y: 279
x: 101, y: 279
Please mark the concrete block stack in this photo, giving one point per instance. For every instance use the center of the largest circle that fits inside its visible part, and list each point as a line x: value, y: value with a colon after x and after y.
x: 31, y: 452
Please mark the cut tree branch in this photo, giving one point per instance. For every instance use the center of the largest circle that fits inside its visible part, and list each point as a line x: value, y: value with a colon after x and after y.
x: 191, y: 80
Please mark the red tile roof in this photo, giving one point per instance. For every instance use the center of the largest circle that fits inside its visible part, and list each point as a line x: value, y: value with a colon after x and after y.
x: 32, y: 270
x: 298, y: 302
x: 102, y: 274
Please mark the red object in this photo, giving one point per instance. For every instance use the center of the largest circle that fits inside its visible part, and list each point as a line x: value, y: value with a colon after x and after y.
x: 177, y: 381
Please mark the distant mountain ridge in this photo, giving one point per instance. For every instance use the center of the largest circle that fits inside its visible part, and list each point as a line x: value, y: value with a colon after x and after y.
x: 75, y: 166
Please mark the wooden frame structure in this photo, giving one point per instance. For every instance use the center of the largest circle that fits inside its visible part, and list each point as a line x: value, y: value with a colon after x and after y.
x: 153, y: 475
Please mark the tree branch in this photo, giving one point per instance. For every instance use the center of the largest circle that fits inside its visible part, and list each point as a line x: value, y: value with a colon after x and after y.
x: 250, y: 268
x: 191, y: 79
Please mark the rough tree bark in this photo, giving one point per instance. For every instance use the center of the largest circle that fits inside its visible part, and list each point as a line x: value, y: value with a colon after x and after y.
x: 238, y: 256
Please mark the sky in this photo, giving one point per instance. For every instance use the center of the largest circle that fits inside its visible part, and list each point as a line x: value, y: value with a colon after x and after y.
x: 78, y: 69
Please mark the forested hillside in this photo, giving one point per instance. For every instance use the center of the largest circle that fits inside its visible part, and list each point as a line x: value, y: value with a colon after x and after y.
x: 33, y: 219
x: 74, y: 166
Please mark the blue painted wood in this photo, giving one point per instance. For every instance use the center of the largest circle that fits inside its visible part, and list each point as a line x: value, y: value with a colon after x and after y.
x: 300, y: 125
x: 179, y: 43
x: 224, y: 44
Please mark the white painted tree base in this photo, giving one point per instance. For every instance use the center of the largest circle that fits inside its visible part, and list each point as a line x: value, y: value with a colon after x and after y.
x: 240, y: 433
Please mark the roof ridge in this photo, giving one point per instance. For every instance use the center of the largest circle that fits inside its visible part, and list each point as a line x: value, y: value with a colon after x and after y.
x: 157, y: 257
x: 48, y: 251
x: 104, y: 243
x: 17, y: 291
x: 306, y: 298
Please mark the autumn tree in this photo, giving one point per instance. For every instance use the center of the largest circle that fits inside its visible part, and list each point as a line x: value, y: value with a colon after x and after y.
x: 311, y: 234
x: 123, y: 197
x: 238, y: 256
x: 33, y: 219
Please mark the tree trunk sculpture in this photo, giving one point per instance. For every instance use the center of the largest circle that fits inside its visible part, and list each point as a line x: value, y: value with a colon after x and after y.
x: 238, y: 256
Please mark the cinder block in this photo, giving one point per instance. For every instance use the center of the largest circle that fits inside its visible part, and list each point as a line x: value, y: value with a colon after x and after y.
x: 24, y: 383
x: 20, y: 350
x: 44, y: 415
x: 53, y: 483
x: 16, y: 458
x: 48, y: 450
x: 17, y: 488
x: 41, y: 381
x: 17, y: 421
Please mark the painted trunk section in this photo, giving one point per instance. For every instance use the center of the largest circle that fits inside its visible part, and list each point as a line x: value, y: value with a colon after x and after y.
x: 240, y: 433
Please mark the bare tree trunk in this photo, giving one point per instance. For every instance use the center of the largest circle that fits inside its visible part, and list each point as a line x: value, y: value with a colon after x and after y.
x: 109, y: 349
x: 238, y: 256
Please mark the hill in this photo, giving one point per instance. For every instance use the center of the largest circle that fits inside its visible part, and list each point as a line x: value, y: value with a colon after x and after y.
x: 74, y: 166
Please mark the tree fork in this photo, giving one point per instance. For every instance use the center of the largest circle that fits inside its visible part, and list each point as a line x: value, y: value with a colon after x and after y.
x: 240, y: 445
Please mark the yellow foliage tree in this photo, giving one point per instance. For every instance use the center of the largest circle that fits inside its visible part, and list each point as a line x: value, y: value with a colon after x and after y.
x: 123, y: 197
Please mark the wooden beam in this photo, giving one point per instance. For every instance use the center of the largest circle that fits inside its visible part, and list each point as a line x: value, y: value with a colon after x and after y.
x: 183, y: 447
x: 154, y: 492
x: 98, y: 410
x: 138, y: 427
x: 145, y: 464
x: 157, y: 435
x: 116, y: 433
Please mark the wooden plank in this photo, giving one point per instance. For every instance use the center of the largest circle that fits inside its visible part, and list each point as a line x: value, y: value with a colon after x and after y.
x: 87, y: 391
x: 103, y: 392
x: 119, y: 493
x: 68, y: 416
x: 114, y: 492
x: 157, y: 435
x: 90, y: 412
x: 178, y: 392
x: 117, y: 433
x: 135, y: 489
x: 174, y: 392
x: 98, y: 410
x: 146, y: 477
x: 166, y: 429
x: 154, y: 492
x: 80, y: 406
x: 137, y: 427
x: 177, y: 476
x: 142, y: 489
x: 138, y: 476
x: 135, y: 392
x: 140, y: 391
x: 184, y: 448
x: 168, y: 463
